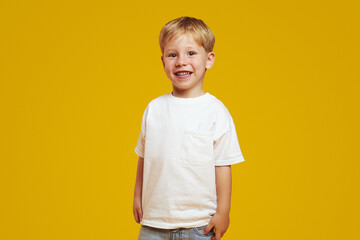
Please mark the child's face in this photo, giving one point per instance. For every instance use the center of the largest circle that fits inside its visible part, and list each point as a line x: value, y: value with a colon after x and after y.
x: 185, y: 63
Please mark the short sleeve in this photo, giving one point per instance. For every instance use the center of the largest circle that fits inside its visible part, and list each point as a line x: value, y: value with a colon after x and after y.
x: 140, y: 146
x: 226, y: 145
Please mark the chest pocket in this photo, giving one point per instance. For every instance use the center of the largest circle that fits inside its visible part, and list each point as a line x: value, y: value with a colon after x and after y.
x: 197, y: 148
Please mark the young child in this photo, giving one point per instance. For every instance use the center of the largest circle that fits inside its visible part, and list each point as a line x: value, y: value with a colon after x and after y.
x: 186, y: 146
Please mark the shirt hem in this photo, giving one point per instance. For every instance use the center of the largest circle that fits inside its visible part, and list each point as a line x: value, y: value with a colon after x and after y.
x: 162, y: 225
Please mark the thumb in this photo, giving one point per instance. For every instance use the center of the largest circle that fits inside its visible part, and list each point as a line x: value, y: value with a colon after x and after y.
x: 208, y: 228
x: 140, y: 214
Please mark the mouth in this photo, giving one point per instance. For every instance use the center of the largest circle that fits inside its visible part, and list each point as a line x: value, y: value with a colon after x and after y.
x: 183, y: 74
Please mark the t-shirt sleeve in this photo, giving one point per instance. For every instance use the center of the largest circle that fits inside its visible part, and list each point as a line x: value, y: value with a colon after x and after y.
x: 140, y: 146
x: 226, y: 145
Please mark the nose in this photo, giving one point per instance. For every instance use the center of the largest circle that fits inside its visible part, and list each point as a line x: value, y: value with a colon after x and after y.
x: 181, y: 61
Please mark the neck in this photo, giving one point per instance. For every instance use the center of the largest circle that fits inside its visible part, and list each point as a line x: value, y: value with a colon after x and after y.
x: 188, y: 94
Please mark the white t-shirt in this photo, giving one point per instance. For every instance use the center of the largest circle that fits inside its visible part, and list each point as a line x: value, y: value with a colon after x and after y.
x: 181, y: 141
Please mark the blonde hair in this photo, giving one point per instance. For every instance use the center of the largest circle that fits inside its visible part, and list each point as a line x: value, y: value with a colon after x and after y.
x: 188, y: 25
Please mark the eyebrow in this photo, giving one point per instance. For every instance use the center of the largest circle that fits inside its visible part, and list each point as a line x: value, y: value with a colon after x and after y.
x: 187, y: 48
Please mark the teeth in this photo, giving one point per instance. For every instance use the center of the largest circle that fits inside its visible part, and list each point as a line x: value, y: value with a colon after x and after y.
x: 183, y: 74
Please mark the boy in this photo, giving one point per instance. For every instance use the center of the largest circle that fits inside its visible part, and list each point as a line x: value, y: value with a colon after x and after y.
x: 186, y: 145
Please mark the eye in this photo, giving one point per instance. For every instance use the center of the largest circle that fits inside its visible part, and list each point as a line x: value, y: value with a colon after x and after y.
x: 172, y: 55
x: 191, y: 53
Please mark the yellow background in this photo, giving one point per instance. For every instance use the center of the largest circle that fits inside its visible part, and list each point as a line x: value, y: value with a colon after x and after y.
x: 76, y: 77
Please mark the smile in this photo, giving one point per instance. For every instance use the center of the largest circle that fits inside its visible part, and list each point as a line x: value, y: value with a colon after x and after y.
x: 183, y: 74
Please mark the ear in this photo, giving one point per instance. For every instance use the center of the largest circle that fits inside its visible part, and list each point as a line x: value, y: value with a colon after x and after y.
x: 210, y: 60
x: 162, y: 60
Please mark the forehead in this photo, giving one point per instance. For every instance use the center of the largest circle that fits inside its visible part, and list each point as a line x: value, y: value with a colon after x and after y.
x: 182, y: 40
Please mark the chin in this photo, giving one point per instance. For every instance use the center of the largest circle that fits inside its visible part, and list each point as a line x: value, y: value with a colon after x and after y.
x: 183, y: 87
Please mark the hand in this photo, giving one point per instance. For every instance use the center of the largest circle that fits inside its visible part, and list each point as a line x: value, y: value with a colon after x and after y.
x: 137, y: 209
x: 220, y: 222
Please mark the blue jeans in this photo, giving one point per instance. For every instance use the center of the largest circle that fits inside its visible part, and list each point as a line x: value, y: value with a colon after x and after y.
x: 196, y: 233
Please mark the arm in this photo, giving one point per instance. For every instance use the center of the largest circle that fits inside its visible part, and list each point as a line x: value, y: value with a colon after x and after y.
x: 220, y: 221
x: 137, y: 205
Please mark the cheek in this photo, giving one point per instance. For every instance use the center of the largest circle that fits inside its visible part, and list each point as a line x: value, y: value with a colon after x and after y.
x: 167, y: 69
x: 199, y: 66
x: 199, y: 63
x: 168, y: 65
